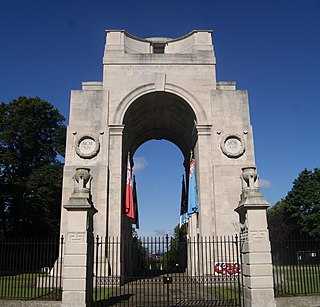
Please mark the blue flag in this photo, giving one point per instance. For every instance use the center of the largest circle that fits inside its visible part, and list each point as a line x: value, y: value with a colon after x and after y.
x: 193, y: 191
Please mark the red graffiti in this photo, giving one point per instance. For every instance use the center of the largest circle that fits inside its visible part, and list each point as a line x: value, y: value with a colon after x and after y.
x: 227, y: 268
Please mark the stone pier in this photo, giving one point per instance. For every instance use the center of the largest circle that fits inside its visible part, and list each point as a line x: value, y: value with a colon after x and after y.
x: 78, y: 250
x: 255, y: 244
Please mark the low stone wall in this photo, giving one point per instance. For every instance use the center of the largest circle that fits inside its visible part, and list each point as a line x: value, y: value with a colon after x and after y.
x: 12, y: 303
x: 298, y: 301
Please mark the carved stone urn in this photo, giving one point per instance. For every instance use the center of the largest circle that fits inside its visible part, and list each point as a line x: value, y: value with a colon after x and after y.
x: 82, y: 179
x: 249, y: 178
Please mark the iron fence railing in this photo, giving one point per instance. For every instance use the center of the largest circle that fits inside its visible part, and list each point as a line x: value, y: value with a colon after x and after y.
x: 156, y: 270
x: 31, y: 268
x: 165, y: 271
x: 296, y: 266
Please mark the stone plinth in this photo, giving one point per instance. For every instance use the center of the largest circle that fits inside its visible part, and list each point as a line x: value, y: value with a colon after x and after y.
x: 78, y: 249
x: 255, y: 244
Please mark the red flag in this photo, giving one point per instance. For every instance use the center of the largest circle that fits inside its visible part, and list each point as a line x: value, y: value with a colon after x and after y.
x: 129, y: 206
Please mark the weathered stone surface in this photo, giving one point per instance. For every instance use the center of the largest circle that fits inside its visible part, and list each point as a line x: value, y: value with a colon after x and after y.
x: 172, y: 95
x: 256, y: 255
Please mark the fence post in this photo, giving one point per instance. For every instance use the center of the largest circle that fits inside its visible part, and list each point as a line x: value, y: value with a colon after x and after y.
x: 78, y: 251
x: 254, y: 243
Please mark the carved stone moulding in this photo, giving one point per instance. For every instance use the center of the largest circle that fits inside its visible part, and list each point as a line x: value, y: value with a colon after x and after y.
x: 233, y: 145
x: 87, y: 146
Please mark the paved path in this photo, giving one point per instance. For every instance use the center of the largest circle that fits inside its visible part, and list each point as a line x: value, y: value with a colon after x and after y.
x: 152, y: 292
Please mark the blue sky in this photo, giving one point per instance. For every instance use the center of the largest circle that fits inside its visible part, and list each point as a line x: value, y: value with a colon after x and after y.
x: 271, y: 48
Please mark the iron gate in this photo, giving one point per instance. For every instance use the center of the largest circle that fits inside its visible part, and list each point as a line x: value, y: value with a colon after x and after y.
x: 167, y: 272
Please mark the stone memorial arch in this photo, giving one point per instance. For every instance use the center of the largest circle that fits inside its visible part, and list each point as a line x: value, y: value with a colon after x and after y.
x: 159, y: 88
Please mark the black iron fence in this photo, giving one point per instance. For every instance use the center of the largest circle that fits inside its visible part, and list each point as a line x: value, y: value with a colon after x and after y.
x: 296, y: 266
x: 31, y: 268
x: 156, y: 271
x: 167, y: 272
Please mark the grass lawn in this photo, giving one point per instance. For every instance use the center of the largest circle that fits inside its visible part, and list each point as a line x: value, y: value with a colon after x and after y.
x: 227, y: 293
x: 25, y: 287
x: 102, y: 294
x: 296, y: 280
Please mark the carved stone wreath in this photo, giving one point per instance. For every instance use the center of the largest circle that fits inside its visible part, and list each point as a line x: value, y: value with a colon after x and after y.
x: 87, y: 146
x: 233, y: 145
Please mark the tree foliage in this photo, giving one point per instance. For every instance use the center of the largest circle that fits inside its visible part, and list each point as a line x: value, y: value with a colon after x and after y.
x: 299, y: 212
x: 32, y: 135
x: 175, y: 258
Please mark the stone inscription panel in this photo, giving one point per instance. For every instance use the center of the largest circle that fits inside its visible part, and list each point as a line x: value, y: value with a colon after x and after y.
x: 163, y: 68
x: 233, y: 146
x: 87, y: 146
x: 76, y: 237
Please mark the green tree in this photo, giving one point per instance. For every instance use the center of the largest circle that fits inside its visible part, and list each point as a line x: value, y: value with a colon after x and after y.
x: 32, y: 135
x: 278, y: 227
x: 175, y: 258
x: 299, y: 211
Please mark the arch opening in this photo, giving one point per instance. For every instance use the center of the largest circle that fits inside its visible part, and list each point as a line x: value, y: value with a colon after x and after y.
x: 158, y: 168
x: 159, y: 115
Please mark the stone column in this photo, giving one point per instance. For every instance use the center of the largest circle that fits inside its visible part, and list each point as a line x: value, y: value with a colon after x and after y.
x: 114, y: 231
x: 255, y: 244
x: 115, y: 169
x: 203, y: 155
x: 78, y: 250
